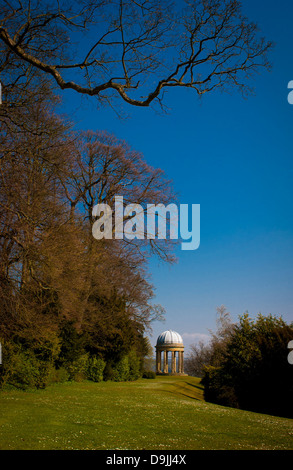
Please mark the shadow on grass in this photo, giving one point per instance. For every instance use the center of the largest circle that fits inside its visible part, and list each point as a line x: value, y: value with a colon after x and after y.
x: 199, y: 387
x: 186, y: 389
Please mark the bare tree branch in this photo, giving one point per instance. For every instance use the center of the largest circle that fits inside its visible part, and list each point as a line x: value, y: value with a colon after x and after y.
x: 142, y: 47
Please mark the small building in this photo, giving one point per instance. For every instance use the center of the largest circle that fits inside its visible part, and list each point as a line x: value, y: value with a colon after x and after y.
x: 170, y: 343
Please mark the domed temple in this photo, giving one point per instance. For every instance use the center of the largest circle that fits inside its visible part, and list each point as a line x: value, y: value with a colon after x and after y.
x: 170, y: 342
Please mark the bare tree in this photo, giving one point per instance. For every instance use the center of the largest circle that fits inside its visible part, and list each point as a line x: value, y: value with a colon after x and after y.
x: 131, y: 49
x: 211, y: 353
x: 103, y: 167
x: 199, y: 357
x: 99, y: 168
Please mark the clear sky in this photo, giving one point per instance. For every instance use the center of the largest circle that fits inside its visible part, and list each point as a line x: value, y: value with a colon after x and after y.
x: 234, y: 157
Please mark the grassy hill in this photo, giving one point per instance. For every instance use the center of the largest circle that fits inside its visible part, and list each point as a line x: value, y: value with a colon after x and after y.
x: 165, y: 413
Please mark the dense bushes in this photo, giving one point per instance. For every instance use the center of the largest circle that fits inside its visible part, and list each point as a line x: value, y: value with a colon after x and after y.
x: 254, y: 372
x: 126, y: 369
x: 95, y: 369
x: 22, y: 369
x: 25, y: 366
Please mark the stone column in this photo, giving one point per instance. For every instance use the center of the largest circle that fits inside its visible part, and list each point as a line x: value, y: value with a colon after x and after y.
x: 165, y: 362
x: 158, y: 361
x: 173, y: 362
x: 182, y: 363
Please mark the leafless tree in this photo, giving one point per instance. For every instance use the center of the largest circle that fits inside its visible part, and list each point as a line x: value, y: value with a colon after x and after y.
x: 130, y: 49
x: 99, y: 168
x: 211, y: 353
x: 104, y: 167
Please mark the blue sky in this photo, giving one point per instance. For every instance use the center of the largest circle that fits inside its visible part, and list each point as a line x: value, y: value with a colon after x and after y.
x: 234, y: 158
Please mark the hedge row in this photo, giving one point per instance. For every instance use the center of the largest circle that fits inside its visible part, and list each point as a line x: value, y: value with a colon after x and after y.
x: 24, y: 369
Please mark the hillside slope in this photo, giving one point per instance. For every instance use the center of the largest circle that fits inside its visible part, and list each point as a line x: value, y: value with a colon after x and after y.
x: 165, y: 413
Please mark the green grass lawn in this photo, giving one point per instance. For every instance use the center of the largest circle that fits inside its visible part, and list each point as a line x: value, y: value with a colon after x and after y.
x: 163, y: 413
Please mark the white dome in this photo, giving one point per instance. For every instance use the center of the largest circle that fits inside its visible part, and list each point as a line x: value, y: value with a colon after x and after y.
x: 169, y: 337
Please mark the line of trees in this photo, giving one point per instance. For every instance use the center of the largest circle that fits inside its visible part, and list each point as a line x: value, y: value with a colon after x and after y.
x: 245, y: 365
x: 67, y: 299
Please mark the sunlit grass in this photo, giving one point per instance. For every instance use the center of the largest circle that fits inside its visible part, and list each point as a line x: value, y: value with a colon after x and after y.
x: 164, y: 413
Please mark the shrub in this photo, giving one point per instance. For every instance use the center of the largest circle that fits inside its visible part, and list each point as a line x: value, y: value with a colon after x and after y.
x: 254, y: 373
x: 22, y: 369
x: 71, y: 344
x: 134, y: 366
x: 95, y: 369
x: 77, y: 370
x: 108, y: 373
x: 148, y: 374
x: 24, y: 372
x: 121, y: 370
x: 58, y: 375
x: 44, y: 374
